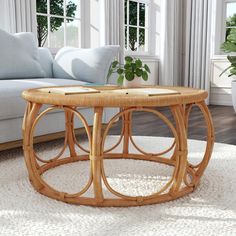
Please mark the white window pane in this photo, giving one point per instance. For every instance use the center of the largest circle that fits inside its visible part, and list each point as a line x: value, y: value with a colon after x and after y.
x: 42, y: 31
x: 136, y: 36
x: 231, y: 18
x: 94, y: 14
x: 142, y: 40
x: 94, y: 34
x: 126, y: 38
x: 142, y: 13
x: 41, y: 6
x: 73, y: 8
x: 57, y: 7
x: 158, y: 42
x: 57, y: 32
x: 133, y: 42
x: 126, y: 11
x: 231, y: 9
x: 133, y: 13
x: 72, y: 33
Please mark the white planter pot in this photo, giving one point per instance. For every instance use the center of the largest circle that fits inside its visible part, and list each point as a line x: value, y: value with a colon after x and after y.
x: 135, y: 83
x: 234, y: 94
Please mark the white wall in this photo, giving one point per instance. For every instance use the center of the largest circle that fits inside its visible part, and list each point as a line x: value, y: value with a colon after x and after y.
x: 220, y: 93
x: 153, y: 64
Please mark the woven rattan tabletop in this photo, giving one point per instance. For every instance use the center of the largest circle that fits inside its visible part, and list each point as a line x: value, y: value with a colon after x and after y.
x: 107, y: 98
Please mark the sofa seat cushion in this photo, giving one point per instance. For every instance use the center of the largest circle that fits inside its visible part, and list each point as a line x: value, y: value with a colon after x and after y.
x: 12, y: 105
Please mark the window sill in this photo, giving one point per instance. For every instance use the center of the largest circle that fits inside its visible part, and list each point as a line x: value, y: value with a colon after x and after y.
x: 219, y: 57
x: 143, y: 56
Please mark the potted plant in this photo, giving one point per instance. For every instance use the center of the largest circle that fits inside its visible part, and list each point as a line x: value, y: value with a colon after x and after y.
x: 131, y: 73
x: 230, y: 47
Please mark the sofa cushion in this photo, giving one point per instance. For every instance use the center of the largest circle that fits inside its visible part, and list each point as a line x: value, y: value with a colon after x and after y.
x: 90, y: 65
x: 46, y: 61
x: 12, y: 105
x: 19, y: 56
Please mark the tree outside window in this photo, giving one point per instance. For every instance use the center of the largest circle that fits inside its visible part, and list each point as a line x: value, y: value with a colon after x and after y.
x: 57, y: 23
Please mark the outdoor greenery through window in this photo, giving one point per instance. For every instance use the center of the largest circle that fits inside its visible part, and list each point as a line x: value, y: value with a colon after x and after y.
x: 58, y: 23
x: 136, y: 25
x: 230, y: 18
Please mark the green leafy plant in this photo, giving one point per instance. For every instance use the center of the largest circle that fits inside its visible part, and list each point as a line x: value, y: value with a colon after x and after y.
x: 229, y: 46
x: 132, y: 68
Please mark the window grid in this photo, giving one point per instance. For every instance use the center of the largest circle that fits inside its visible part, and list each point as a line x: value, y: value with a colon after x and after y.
x: 49, y: 16
x: 138, y: 27
x: 225, y: 18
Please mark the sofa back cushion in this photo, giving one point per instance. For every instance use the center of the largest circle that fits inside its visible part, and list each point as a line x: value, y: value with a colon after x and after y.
x: 19, y: 56
x: 90, y: 65
x: 46, y: 61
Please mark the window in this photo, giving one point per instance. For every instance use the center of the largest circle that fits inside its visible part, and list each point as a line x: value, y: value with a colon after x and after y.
x: 136, y: 25
x: 230, y: 18
x: 58, y: 23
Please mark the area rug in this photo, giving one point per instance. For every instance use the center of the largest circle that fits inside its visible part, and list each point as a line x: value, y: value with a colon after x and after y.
x: 210, y: 210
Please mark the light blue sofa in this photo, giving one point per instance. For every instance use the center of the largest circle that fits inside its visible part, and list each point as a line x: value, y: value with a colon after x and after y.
x: 12, y: 106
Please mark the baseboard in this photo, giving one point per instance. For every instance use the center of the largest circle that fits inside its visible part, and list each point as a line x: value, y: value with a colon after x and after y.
x: 39, y: 139
x: 221, y: 96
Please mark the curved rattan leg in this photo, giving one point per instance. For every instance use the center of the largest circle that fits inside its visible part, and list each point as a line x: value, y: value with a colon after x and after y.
x: 126, y: 125
x: 69, y: 117
x: 199, y: 169
x: 35, y: 170
x: 172, y: 188
x: 181, y: 153
x: 96, y: 155
x: 31, y: 164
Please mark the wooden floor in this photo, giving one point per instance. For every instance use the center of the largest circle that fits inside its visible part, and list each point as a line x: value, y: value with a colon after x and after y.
x: 224, y: 120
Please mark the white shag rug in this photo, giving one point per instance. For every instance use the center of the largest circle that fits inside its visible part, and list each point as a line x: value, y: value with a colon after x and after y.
x: 210, y: 210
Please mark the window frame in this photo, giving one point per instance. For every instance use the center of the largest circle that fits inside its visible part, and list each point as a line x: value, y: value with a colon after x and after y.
x: 219, y: 31
x: 224, y: 18
x: 65, y: 17
x: 146, y: 28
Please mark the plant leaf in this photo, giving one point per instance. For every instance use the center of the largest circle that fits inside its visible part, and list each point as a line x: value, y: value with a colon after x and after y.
x: 232, y: 36
x: 133, y: 66
x: 225, y: 70
x: 120, y: 71
x: 231, y: 59
x: 127, y: 66
x: 233, y: 71
x: 138, y: 63
x: 129, y: 75
x: 139, y: 72
x: 114, y: 64
x: 228, y: 47
x: 109, y: 73
x: 145, y: 75
x: 128, y: 59
x: 146, y: 67
x: 120, y: 80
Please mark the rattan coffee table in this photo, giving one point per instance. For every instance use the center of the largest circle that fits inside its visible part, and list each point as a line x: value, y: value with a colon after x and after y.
x: 186, y: 176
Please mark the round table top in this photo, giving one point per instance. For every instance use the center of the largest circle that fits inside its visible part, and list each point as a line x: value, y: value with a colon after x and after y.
x: 107, y: 97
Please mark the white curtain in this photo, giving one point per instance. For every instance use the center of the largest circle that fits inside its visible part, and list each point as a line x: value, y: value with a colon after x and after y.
x: 171, y: 42
x: 112, y: 24
x: 18, y: 15
x: 198, y: 43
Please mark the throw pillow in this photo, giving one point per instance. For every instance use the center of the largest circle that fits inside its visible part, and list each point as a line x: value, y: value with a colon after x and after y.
x: 89, y: 65
x: 19, y: 56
